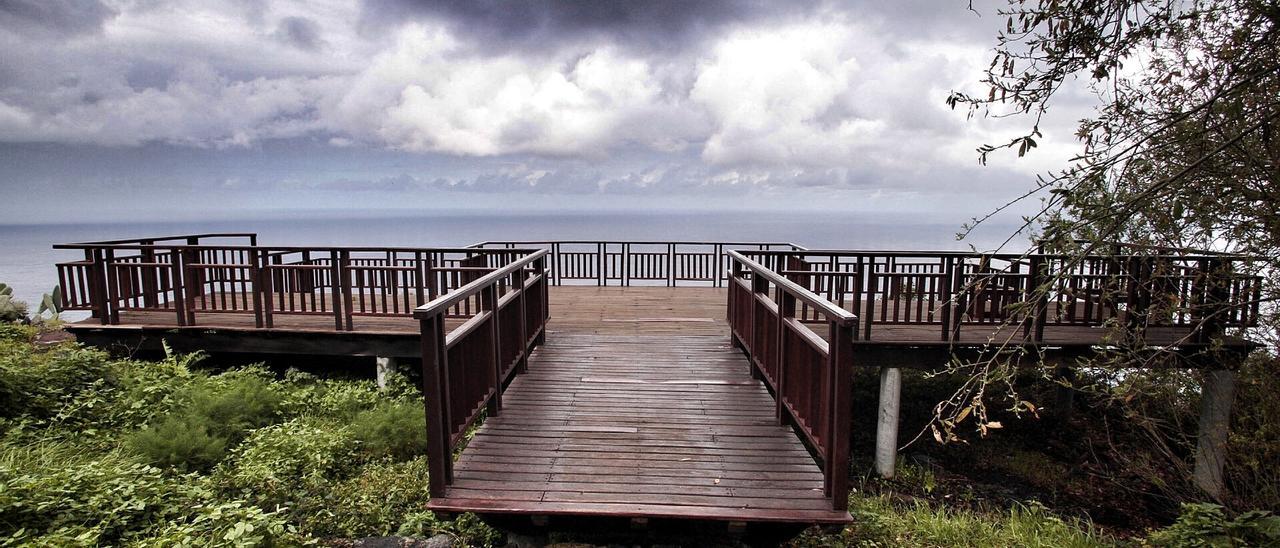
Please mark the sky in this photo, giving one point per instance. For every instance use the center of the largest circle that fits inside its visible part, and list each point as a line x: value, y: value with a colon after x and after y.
x: 158, y: 109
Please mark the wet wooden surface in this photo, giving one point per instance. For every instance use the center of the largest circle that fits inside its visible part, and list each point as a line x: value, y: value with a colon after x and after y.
x: 627, y: 425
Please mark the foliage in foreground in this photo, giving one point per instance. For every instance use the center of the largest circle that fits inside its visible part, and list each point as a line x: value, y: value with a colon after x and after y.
x: 96, y: 451
x: 878, y: 522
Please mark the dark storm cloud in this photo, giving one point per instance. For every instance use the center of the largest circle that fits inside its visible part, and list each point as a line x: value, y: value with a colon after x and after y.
x: 300, y: 32
x: 663, y: 25
x: 62, y: 17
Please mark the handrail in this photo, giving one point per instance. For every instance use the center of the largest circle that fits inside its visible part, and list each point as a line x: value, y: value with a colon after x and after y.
x: 951, y: 289
x: 830, y: 309
x: 811, y: 378
x: 249, y: 235
x: 445, y: 301
x: 632, y: 262
x: 465, y: 370
x: 285, y: 249
x: 1201, y: 254
x: 480, y: 245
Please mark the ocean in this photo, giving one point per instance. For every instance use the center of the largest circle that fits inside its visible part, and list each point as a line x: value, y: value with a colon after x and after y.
x: 27, y: 259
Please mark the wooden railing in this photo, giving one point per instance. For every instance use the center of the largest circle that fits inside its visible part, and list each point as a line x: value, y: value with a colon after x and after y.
x: 468, y: 367
x: 811, y: 377
x: 195, y: 277
x: 951, y: 290
x: 626, y: 263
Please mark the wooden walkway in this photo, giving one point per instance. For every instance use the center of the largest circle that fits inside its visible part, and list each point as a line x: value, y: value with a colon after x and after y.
x: 631, y: 424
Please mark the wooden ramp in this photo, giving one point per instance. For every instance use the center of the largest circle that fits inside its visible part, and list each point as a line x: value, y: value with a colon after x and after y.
x: 639, y: 425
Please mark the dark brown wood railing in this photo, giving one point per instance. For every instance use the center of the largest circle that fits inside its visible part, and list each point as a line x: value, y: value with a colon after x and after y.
x: 196, y: 277
x: 626, y: 263
x: 952, y: 290
x: 468, y: 367
x: 811, y: 377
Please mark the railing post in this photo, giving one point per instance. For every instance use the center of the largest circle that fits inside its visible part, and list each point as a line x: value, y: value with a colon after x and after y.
x: 347, y: 298
x: 546, y: 300
x: 870, y: 295
x: 489, y: 303
x: 97, y: 286
x: 602, y: 277
x: 626, y: 264
x: 113, y: 289
x: 436, y: 398
x: 179, y: 285
x: 523, y: 365
x: 759, y: 286
x: 335, y: 287
x: 255, y: 279
x: 150, y: 289
x: 268, y: 289
x: 419, y: 285
x: 840, y: 356
x: 786, y: 309
x: 671, y: 265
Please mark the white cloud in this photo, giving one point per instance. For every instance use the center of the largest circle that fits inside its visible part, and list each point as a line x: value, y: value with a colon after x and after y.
x: 446, y: 100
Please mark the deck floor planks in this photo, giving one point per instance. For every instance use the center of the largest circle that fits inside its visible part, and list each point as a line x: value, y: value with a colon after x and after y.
x: 639, y: 425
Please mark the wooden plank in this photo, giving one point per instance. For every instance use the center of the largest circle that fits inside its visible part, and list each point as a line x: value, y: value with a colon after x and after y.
x: 642, y: 426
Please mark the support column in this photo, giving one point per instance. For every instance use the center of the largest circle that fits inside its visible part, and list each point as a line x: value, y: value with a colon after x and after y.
x: 887, y: 425
x: 1215, y: 421
x: 385, y: 366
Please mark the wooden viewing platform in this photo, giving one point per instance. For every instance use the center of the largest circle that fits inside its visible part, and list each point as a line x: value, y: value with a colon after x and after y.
x: 707, y: 381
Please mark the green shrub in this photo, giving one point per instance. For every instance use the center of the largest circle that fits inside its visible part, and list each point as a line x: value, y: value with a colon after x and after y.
x: 371, y: 502
x: 54, y: 494
x: 1203, y: 525
x: 235, y: 402
x: 278, y: 462
x: 392, y: 429
x: 235, y: 523
x: 180, y: 441
x: 876, y: 522
x: 38, y: 386
x: 15, y: 332
x: 332, y: 399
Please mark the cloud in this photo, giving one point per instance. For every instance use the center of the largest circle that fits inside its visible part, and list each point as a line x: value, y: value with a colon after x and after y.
x: 539, y: 25
x: 54, y: 17
x: 545, y: 97
x: 299, y: 32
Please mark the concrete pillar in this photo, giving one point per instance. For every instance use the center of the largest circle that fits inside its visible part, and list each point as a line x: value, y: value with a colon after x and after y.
x: 887, y: 426
x: 385, y: 366
x: 1215, y: 422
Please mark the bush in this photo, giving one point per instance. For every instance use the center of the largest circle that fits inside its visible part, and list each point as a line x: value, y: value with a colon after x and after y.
x: 878, y: 523
x: 392, y: 429
x: 333, y: 399
x: 1207, y: 525
x: 277, y: 463
x: 13, y: 332
x: 183, y: 442
x: 51, y: 493
x: 235, y: 402
x: 38, y: 386
x: 372, y: 502
x: 234, y: 523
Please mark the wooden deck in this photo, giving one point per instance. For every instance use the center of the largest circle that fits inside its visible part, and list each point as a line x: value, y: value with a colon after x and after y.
x: 691, y: 380
x: 606, y: 311
x: 634, y: 424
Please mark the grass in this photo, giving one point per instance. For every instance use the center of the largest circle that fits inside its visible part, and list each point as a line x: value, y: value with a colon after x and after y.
x: 878, y: 521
